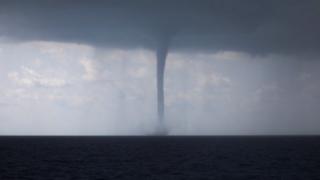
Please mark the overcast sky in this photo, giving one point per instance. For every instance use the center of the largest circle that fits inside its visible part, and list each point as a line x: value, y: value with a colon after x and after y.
x: 88, y: 67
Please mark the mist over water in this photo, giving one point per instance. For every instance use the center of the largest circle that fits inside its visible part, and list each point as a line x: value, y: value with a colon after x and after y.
x: 65, y: 88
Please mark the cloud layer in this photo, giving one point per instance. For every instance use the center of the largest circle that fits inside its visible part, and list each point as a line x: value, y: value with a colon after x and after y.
x: 288, y: 26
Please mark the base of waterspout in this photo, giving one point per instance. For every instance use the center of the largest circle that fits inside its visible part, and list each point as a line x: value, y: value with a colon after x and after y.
x: 160, y: 130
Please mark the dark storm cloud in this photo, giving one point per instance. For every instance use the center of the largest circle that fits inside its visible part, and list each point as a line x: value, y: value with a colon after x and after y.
x: 253, y: 26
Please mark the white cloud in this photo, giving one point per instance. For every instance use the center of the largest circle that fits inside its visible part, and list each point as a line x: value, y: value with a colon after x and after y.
x: 28, y: 77
x: 90, y: 68
x: 229, y: 55
x: 216, y: 80
x: 209, y: 86
x: 139, y: 72
x: 59, y: 50
x: 20, y: 93
x: 217, y: 56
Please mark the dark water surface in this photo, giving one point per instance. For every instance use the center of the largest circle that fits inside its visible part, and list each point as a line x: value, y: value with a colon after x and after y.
x: 166, y: 158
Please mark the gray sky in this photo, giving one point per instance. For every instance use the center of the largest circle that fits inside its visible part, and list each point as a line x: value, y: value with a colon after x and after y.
x: 234, y: 67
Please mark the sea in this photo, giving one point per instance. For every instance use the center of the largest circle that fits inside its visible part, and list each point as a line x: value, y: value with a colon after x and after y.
x: 159, y: 157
